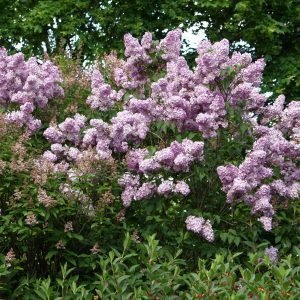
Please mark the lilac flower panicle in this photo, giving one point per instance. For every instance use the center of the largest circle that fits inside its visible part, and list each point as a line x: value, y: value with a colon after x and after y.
x: 178, y: 157
x: 274, y: 149
x: 272, y: 253
x: 28, y: 84
x: 134, y: 157
x: 200, y: 226
x: 68, y: 130
x: 145, y: 191
x: 210, y: 60
x: 125, y: 127
x: 132, y: 45
x: 267, y: 222
x: 182, y: 188
x: 171, y: 45
x: 227, y: 175
x: 103, y: 96
x: 194, y: 224
x: 130, y: 183
x: 147, y: 41
x: 165, y: 188
x: 49, y: 156
x: 54, y: 135
x: 57, y: 148
x: 73, y: 153
x: 207, y: 231
x: 273, y: 111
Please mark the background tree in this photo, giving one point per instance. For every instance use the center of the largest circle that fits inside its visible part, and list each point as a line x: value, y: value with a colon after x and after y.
x: 88, y: 26
x: 268, y: 28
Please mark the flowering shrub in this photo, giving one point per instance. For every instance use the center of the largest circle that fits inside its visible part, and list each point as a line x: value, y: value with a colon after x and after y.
x: 154, y: 84
x: 154, y: 146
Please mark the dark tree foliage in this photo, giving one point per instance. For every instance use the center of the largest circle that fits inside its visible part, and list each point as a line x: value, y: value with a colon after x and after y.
x: 89, y: 28
x: 270, y: 28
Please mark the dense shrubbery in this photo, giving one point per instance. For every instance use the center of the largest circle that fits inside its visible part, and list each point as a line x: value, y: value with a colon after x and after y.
x: 147, y: 271
x: 156, y: 150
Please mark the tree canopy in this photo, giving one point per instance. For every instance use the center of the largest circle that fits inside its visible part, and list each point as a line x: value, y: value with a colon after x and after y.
x: 268, y: 28
x: 92, y: 27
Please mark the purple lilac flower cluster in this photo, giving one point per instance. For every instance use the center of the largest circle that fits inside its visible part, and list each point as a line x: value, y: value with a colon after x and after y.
x: 28, y: 84
x: 185, y: 98
x: 125, y: 127
x: 199, y: 226
x: 277, y: 148
x: 103, y: 96
x: 128, y: 74
x: 69, y: 130
x: 128, y: 127
x: 171, y: 45
x: 134, y: 190
x: 181, y: 96
x: 272, y: 253
x: 178, y: 157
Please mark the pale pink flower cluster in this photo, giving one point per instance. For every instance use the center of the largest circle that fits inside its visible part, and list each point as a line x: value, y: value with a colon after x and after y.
x: 44, y: 199
x: 95, y: 250
x: 31, y: 219
x: 10, y: 257
x: 68, y: 226
x: 60, y: 245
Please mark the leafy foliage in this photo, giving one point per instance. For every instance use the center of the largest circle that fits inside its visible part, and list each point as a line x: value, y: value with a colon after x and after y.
x: 147, y: 271
x: 86, y: 28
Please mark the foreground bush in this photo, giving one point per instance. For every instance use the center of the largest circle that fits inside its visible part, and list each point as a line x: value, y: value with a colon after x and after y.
x: 147, y: 271
x: 198, y: 157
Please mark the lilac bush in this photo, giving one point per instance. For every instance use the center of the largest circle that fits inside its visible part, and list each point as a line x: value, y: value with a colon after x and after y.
x: 196, y: 159
x: 155, y: 85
